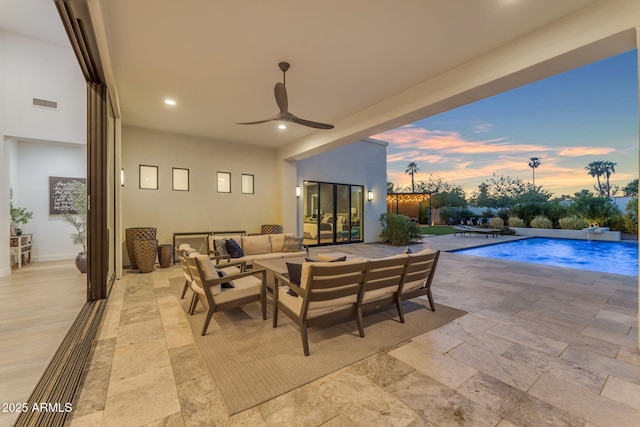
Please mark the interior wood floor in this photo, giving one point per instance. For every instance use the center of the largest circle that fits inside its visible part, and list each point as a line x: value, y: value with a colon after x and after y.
x: 38, y: 305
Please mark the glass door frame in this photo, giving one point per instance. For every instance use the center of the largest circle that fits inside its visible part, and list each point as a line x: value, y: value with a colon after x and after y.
x: 331, y: 221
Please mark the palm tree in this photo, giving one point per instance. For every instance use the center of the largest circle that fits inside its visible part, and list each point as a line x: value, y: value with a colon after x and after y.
x: 412, y: 168
x: 534, y: 162
x: 608, y: 168
x: 596, y: 169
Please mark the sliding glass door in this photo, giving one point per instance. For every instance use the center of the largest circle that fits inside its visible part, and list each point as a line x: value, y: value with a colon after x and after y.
x: 332, y: 213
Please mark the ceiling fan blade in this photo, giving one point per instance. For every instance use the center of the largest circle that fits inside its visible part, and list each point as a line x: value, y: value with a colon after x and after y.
x: 256, y: 123
x: 276, y: 117
x: 280, y: 92
x: 281, y: 97
x: 309, y: 123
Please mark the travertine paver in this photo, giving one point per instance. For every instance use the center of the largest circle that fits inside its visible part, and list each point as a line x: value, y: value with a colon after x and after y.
x: 540, y: 346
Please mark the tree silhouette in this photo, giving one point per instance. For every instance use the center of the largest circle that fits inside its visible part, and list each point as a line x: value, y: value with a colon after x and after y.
x: 601, y: 168
x: 631, y: 189
x: 595, y: 169
x: 534, y: 162
x: 412, y: 168
x: 609, y: 169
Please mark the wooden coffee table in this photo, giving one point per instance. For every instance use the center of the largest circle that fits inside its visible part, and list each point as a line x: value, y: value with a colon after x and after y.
x: 274, y: 266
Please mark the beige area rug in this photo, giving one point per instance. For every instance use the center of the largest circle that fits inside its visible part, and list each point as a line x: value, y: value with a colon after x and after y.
x: 251, y: 362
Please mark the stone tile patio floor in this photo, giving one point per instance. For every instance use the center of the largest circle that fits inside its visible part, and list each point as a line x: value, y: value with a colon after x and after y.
x: 539, y: 346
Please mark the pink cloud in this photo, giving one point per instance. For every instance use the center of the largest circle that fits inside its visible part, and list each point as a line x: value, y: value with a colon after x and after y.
x: 584, y: 151
x: 465, y: 162
x: 410, y: 137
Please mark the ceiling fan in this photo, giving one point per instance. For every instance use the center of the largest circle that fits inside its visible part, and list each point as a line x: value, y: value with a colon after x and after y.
x: 280, y: 91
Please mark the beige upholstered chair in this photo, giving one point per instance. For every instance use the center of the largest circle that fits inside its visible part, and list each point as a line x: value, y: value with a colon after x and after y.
x: 382, y: 285
x: 328, y: 291
x: 418, y: 277
x: 207, y: 283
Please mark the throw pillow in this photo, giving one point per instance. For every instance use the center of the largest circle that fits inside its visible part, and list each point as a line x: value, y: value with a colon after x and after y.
x: 234, y: 249
x: 221, y: 246
x: 292, y: 244
x: 295, y: 271
x: 228, y: 284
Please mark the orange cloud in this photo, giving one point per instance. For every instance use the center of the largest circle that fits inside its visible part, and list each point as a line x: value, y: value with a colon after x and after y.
x: 462, y: 161
x: 410, y: 137
x: 584, y: 151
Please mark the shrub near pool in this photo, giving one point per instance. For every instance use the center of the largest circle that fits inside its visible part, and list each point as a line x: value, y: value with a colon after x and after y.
x: 541, y: 222
x: 399, y: 229
x: 572, y: 223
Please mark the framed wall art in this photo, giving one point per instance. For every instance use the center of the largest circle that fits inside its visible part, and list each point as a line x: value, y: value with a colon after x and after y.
x: 224, y: 182
x: 246, y: 184
x: 180, y: 179
x: 60, y: 194
x: 148, y: 177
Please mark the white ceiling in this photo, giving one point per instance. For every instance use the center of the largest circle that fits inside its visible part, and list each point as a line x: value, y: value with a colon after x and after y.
x: 219, y: 59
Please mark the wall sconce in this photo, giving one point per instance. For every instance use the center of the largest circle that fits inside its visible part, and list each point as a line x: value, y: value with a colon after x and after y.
x: 370, y: 195
x: 298, y: 191
x: 122, y: 177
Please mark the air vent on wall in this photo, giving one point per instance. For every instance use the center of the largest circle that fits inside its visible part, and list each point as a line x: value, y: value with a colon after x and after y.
x: 53, y: 105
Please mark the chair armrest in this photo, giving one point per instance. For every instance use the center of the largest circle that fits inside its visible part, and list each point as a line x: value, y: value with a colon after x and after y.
x: 241, y: 264
x: 229, y: 277
x: 217, y: 258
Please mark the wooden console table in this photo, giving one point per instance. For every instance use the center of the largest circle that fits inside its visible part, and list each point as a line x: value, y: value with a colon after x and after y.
x: 20, y: 247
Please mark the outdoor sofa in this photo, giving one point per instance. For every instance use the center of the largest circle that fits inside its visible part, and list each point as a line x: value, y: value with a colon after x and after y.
x: 255, y: 248
x: 327, y: 291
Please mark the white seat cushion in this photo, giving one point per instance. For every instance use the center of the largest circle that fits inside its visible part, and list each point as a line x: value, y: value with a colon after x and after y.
x: 244, y: 287
x: 316, y: 308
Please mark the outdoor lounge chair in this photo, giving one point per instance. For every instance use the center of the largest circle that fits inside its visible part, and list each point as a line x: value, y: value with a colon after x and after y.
x: 462, y: 229
x: 328, y: 291
x: 248, y: 286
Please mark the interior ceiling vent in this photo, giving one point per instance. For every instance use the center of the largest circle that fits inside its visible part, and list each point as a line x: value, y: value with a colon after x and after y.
x: 45, y: 103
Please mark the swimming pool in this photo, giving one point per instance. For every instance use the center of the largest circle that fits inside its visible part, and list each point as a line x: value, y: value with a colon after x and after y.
x: 607, y: 257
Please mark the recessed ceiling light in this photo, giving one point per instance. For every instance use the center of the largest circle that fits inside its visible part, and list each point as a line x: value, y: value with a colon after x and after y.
x: 282, y: 126
x: 170, y: 102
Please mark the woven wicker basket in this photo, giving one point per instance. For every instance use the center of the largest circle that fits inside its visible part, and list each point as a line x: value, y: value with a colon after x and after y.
x: 145, y: 254
x: 135, y: 233
x: 165, y: 253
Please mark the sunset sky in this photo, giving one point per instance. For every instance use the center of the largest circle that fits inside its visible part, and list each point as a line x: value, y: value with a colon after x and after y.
x: 568, y: 121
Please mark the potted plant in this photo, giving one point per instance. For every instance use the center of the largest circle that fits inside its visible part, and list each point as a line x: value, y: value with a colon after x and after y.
x: 18, y: 216
x: 77, y: 218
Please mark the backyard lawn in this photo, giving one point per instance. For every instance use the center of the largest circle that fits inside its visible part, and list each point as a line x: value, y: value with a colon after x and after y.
x: 437, y: 230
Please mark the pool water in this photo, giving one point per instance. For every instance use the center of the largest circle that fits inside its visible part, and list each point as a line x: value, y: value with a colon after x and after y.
x: 606, y: 257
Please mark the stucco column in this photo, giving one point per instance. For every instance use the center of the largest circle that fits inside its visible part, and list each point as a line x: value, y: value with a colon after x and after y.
x: 288, y: 201
x: 5, y: 219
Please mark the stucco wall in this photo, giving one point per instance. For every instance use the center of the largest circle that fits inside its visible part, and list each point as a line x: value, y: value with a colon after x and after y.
x: 360, y: 163
x: 30, y: 69
x: 36, y: 162
x: 201, y: 208
x: 36, y: 69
